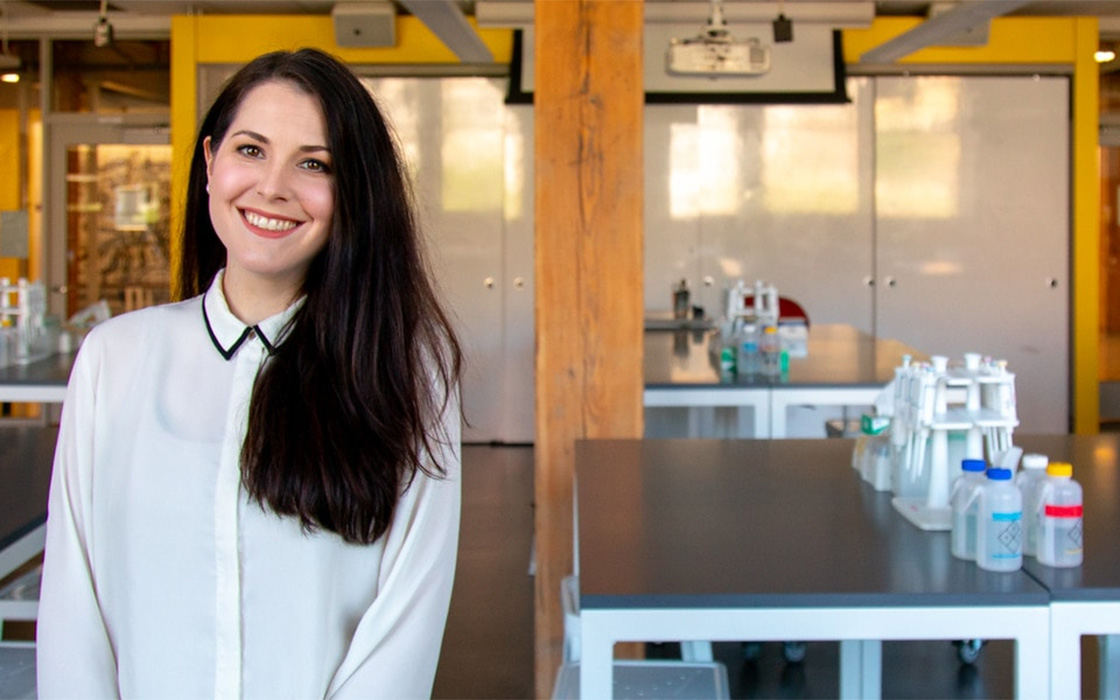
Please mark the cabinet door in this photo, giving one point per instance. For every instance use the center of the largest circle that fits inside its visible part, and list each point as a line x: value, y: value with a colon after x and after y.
x: 518, y: 420
x: 673, y: 195
x: 451, y: 132
x: 972, y: 226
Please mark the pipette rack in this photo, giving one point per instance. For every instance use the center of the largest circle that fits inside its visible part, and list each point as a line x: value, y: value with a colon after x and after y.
x: 23, y: 308
x: 764, y: 308
x: 933, y: 401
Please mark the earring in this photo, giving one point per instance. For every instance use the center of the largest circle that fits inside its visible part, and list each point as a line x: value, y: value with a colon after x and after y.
x: 207, y: 188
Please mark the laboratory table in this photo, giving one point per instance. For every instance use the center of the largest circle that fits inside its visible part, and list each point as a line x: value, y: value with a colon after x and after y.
x: 843, y: 367
x: 26, y: 456
x: 771, y: 540
x: 41, y: 381
x: 1085, y: 600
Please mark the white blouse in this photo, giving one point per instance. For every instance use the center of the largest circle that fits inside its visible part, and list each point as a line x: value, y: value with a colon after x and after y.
x: 162, y: 579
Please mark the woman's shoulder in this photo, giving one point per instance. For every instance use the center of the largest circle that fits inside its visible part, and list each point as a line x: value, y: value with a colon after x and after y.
x: 138, y: 328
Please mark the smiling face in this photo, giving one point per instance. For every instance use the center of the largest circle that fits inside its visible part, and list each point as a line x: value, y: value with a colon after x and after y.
x: 271, y: 195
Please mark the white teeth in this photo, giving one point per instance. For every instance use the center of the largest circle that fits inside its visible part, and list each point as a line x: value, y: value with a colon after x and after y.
x: 269, y: 224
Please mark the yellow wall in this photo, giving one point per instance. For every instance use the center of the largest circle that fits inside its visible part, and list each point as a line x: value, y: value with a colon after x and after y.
x: 9, y: 186
x: 204, y: 39
x: 1033, y: 41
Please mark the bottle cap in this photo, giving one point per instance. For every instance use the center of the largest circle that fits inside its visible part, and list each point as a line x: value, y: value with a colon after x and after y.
x: 1059, y: 469
x: 997, y: 474
x: 974, y: 465
x: 1035, y: 461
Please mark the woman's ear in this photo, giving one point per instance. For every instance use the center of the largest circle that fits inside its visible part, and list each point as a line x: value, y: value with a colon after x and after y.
x: 208, y: 155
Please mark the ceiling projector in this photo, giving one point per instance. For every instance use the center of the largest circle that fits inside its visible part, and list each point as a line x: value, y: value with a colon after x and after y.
x: 715, y: 52
x: 705, y: 55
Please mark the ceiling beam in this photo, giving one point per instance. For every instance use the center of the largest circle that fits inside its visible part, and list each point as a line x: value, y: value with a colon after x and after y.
x: 846, y: 13
x: 447, y: 21
x: 942, y: 29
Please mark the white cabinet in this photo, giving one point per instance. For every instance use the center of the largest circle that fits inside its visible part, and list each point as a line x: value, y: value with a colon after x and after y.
x: 972, y: 227
x: 470, y: 158
x: 934, y: 210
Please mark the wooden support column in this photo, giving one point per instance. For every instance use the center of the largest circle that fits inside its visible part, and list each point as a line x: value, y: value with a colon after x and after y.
x: 588, y: 113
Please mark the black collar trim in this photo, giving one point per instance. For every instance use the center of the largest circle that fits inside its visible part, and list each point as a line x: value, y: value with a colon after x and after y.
x: 248, y: 332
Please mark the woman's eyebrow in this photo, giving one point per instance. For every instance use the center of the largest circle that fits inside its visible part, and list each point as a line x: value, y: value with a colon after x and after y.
x: 264, y: 139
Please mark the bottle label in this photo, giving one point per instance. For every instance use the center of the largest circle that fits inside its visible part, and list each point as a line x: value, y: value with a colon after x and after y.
x: 1063, y: 511
x: 1007, y: 532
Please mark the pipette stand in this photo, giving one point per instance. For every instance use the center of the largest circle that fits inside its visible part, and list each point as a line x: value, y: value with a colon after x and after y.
x: 23, y: 307
x: 986, y: 417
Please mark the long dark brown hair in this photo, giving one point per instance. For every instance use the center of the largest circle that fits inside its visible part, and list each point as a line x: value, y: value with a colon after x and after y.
x: 346, y: 409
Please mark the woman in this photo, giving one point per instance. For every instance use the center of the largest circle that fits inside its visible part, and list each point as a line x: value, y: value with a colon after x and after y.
x: 255, y: 490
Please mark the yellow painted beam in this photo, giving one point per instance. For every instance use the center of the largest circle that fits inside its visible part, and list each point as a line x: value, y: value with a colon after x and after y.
x: 1085, y: 246
x: 240, y: 38
x: 1029, y: 40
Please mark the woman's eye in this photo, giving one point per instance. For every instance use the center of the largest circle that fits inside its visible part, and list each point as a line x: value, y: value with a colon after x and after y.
x: 316, y: 166
x: 249, y: 150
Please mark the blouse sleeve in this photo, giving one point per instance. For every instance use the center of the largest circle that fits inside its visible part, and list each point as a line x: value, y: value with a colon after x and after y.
x: 74, y: 655
x: 396, y: 645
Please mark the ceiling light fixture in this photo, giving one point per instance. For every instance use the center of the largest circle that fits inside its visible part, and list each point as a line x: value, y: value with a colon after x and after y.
x: 1104, y: 56
x: 103, y: 31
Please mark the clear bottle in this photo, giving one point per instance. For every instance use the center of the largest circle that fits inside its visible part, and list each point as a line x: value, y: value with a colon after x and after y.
x: 999, y: 534
x: 1028, y: 479
x: 747, y: 363
x: 966, y: 508
x: 1060, y: 508
x: 770, y: 348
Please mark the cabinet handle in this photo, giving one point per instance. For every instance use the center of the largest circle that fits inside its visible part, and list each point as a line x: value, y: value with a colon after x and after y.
x: 1052, y: 282
x: 709, y: 281
x: 869, y: 281
x: 891, y: 282
x: 519, y: 282
x: 488, y: 283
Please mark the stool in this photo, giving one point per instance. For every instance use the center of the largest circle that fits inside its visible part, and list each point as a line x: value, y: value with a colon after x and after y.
x: 653, y: 680
x: 17, y: 670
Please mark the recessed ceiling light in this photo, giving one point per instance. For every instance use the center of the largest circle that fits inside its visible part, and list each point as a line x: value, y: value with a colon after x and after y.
x: 1104, y: 56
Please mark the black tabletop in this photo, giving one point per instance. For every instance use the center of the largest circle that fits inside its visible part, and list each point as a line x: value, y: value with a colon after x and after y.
x: 838, y: 355
x: 53, y: 370
x: 26, y: 456
x: 759, y: 523
x: 1096, y: 466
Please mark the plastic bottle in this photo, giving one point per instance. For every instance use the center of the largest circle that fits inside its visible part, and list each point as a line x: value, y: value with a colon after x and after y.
x: 748, y: 362
x: 1060, y: 507
x: 966, y: 508
x: 770, y: 349
x: 1028, y: 479
x: 999, y: 535
x: 681, y: 300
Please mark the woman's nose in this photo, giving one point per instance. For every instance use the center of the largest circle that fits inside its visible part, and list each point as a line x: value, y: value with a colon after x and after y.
x: 274, y: 182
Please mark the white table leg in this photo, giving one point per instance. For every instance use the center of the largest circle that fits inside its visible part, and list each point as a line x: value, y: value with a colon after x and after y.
x: 697, y: 651
x: 1109, y: 645
x: 861, y: 668
x: 597, y: 657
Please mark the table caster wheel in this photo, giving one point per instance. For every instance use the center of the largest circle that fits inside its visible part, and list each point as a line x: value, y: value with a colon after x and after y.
x: 794, y: 652
x: 968, y: 650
